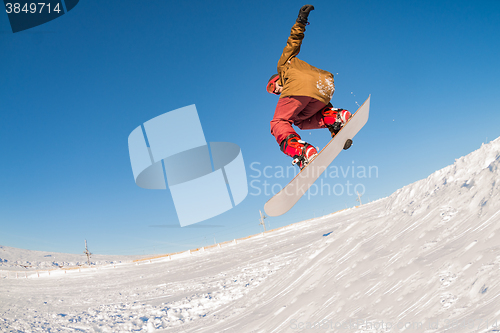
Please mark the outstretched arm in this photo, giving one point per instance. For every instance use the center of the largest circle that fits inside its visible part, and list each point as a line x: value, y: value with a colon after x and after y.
x: 293, y: 43
x: 292, y: 47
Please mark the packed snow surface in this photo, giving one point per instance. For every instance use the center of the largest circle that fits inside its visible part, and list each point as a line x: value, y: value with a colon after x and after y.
x: 425, y: 259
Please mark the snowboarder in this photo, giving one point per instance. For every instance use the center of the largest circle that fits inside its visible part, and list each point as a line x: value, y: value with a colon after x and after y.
x: 305, y: 93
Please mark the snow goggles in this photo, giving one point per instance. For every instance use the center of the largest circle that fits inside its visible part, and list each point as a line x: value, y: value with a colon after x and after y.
x: 271, y: 84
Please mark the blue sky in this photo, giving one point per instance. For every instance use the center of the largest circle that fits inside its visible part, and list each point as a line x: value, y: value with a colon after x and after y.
x: 74, y: 88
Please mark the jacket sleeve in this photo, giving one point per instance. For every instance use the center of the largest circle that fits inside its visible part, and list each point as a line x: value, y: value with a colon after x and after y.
x: 292, y: 47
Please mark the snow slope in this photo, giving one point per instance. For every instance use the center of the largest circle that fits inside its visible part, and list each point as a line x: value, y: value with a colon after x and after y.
x: 424, y: 259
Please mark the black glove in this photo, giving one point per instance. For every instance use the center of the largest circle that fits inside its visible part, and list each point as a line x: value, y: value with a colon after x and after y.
x: 304, y: 13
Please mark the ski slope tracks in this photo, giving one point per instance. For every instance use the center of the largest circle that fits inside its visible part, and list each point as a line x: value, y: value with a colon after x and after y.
x: 425, y: 259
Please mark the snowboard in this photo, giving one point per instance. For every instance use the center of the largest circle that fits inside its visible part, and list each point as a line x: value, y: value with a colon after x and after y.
x: 284, y: 200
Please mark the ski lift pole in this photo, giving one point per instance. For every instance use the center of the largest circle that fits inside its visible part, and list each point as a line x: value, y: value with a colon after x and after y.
x: 87, y: 252
x: 359, y: 198
x: 262, y: 217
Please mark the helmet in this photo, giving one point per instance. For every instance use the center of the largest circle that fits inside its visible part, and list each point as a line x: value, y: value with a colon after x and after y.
x: 271, y: 84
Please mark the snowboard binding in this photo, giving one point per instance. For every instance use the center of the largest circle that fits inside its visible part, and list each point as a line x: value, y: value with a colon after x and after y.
x: 302, y: 162
x: 335, y: 118
x: 301, y: 152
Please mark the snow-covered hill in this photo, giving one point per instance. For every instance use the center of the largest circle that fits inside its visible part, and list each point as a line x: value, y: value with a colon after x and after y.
x: 19, y: 259
x: 425, y: 259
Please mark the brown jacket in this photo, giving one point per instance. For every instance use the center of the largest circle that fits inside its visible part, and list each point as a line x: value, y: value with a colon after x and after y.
x: 297, y: 77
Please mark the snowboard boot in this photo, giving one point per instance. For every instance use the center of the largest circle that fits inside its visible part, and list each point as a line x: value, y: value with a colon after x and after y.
x: 301, y: 152
x: 335, y: 119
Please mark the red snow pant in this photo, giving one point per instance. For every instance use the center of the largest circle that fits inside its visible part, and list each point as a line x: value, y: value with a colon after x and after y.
x: 301, y: 111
